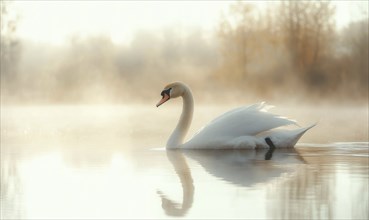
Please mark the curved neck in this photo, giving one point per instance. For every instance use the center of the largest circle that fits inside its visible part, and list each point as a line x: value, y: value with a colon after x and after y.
x: 184, y: 122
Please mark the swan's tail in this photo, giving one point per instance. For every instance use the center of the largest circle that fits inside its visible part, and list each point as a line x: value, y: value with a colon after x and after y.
x: 297, y: 134
x: 287, y: 138
x: 303, y: 130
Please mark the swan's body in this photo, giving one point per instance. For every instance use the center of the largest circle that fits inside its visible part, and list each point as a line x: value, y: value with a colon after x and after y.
x: 241, y: 128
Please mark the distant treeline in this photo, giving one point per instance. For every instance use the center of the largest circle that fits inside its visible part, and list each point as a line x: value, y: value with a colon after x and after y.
x: 291, y: 46
x: 294, y: 44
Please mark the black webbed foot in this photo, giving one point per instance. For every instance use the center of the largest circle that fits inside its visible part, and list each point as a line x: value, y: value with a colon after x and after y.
x: 269, y: 154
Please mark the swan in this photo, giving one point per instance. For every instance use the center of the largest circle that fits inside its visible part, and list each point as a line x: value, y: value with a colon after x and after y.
x: 246, y: 127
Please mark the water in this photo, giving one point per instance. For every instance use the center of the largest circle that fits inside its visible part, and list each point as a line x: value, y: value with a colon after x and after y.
x: 103, y: 162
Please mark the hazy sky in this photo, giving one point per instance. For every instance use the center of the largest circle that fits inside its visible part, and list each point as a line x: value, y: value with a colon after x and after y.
x: 54, y: 21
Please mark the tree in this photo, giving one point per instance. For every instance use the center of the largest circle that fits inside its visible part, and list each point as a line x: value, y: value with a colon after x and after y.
x: 308, y: 28
x: 237, y: 36
x: 356, y: 46
x: 9, y: 47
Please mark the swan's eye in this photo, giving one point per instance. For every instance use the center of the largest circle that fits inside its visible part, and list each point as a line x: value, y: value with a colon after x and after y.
x: 167, y: 91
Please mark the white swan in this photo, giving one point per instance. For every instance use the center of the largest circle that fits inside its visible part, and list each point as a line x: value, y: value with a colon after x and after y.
x: 247, y: 127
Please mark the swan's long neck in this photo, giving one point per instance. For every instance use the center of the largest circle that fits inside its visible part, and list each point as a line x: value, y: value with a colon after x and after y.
x: 179, y: 133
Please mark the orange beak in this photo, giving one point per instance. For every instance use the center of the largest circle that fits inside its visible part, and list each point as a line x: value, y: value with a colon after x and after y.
x: 164, y: 99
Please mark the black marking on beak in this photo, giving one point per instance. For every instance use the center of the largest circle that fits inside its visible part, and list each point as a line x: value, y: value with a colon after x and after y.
x: 166, y: 96
x: 167, y: 91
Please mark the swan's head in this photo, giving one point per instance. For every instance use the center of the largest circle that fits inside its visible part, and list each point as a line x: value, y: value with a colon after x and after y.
x: 172, y: 90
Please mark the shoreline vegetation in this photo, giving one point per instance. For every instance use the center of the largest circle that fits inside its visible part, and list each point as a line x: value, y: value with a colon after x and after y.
x: 290, y: 52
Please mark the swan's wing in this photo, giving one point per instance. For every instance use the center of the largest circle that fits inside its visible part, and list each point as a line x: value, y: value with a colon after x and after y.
x: 242, y: 121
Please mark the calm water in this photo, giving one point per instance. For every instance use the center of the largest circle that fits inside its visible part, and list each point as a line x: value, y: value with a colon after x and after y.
x: 109, y: 162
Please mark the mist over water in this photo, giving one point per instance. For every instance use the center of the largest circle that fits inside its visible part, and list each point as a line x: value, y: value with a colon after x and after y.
x: 110, y: 162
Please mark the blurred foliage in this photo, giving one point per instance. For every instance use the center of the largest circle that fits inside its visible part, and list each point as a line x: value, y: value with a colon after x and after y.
x: 95, y: 70
x: 10, y: 48
x: 290, y: 47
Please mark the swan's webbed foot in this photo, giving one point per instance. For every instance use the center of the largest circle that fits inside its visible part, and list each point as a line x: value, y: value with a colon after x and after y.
x: 269, y: 154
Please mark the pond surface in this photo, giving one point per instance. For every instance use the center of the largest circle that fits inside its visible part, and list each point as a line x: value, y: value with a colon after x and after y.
x: 108, y: 162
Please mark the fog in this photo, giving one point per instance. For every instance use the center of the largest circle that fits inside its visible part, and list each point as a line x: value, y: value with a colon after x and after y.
x: 290, y: 51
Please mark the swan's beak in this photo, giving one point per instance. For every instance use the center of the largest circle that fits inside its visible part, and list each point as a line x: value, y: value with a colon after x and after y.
x: 164, y: 99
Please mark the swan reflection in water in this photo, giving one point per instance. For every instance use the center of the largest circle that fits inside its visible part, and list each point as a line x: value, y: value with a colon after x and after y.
x: 179, y: 163
x: 239, y: 167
